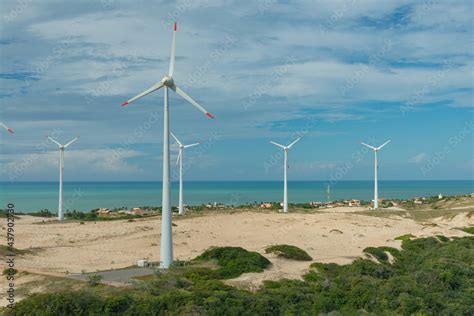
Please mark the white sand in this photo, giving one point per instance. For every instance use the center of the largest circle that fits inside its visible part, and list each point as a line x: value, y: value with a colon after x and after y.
x: 116, y: 244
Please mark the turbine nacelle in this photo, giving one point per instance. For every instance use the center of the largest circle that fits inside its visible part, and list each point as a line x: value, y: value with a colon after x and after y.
x: 167, y: 81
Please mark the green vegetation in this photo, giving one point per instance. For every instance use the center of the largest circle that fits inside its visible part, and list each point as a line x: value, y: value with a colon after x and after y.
x: 429, y: 276
x: 405, y: 237
x: 94, y: 279
x: 93, y: 217
x: 10, y: 271
x: 233, y: 261
x: 469, y: 230
x: 5, y: 250
x: 43, y: 213
x: 377, y: 253
x: 289, y: 252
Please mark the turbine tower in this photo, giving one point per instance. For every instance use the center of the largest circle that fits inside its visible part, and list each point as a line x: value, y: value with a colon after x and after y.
x: 285, y: 167
x: 61, y: 169
x: 8, y: 129
x: 166, y: 250
x: 180, y: 161
x: 376, y: 187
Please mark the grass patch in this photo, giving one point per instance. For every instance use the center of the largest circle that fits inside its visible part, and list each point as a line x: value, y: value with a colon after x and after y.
x: 233, y: 261
x: 5, y: 250
x: 289, y: 252
x: 442, y: 238
x: 378, y: 254
x: 469, y: 230
x: 405, y: 237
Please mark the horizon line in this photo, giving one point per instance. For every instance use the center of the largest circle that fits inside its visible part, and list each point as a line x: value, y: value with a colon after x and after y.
x: 228, y: 180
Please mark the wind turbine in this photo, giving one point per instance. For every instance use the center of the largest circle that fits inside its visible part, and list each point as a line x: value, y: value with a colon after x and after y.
x: 7, y: 128
x: 166, y: 250
x: 285, y: 167
x: 376, y: 188
x: 180, y: 161
x: 61, y: 169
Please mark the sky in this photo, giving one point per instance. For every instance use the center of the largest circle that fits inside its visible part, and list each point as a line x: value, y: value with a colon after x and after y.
x: 334, y: 73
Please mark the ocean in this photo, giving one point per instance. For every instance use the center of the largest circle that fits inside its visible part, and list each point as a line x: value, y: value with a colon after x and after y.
x: 84, y: 196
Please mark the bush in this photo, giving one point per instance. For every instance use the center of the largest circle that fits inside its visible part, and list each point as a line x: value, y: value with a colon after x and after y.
x: 378, y: 253
x: 234, y: 261
x: 289, y: 252
x: 66, y: 303
x: 10, y: 271
x: 404, y: 237
x: 469, y: 230
x: 94, y: 279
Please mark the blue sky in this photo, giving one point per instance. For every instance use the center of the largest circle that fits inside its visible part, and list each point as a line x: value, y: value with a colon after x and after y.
x: 334, y: 72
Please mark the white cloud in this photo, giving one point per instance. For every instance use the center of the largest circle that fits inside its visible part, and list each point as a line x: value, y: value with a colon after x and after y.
x: 101, y: 162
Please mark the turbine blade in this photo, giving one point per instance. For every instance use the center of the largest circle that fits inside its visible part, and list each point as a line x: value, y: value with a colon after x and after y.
x: 7, y: 128
x: 190, y: 100
x: 154, y: 87
x: 380, y: 147
x: 276, y: 144
x: 297, y: 140
x: 176, y: 139
x: 54, y: 141
x: 72, y: 141
x: 191, y: 145
x: 179, y: 156
x: 173, y: 52
x: 371, y: 147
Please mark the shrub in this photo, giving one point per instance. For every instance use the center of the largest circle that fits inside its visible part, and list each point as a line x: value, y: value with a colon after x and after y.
x: 10, y: 271
x: 289, y: 252
x: 404, y: 237
x: 378, y: 253
x: 469, y: 230
x: 94, y: 279
x: 234, y: 261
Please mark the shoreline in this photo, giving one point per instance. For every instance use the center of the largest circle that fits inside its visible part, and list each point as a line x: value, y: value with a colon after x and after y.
x: 393, y: 204
x: 89, y: 195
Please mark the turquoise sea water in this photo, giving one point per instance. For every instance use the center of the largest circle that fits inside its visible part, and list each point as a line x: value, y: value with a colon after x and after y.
x: 84, y: 196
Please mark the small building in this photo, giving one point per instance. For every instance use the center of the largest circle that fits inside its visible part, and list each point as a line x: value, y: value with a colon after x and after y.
x: 103, y: 211
x: 418, y: 202
x: 142, y: 263
x: 440, y: 196
x: 354, y: 202
x: 137, y: 211
x: 266, y: 205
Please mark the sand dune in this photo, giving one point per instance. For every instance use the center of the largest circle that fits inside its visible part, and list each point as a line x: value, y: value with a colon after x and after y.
x: 336, y: 236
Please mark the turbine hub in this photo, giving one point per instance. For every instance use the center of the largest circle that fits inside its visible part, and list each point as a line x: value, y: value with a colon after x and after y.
x: 167, y: 81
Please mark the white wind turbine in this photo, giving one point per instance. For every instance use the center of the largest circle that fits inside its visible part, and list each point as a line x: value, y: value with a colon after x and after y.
x: 6, y: 128
x: 376, y: 187
x: 285, y: 167
x: 166, y: 250
x: 61, y: 169
x: 180, y: 161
